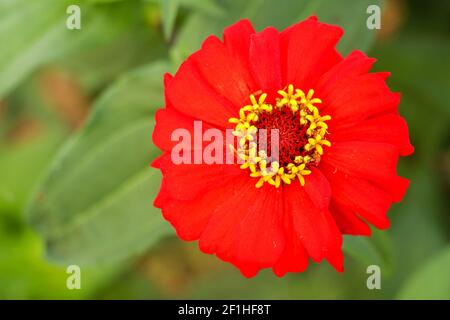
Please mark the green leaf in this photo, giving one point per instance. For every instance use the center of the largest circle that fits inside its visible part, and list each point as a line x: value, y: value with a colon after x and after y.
x: 45, y: 38
x: 40, y: 26
x: 96, y: 203
x: 25, y: 275
x: 169, y: 15
x: 115, y: 32
x: 409, y: 221
x: 135, y: 45
x: 209, y: 7
x: 431, y: 280
x: 19, y: 174
x: 350, y: 15
x: 412, y: 53
x: 102, y: 1
x: 365, y: 250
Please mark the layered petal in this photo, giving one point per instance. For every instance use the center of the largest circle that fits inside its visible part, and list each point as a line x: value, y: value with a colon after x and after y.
x: 375, y: 162
x: 355, y: 64
x: 294, y: 257
x: 388, y: 128
x: 364, y: 181
x: 168, y: 120
x: 308, y: 51
x: 187, y: 181
x: 347, y: 220
x: 246, y: 229
x: 313, y: 223
x: 192, y: 95
x: 350, y: 94
x: 359, y: 195
x: 237, y: 40
x: 223, y: 72
x: 189, y: 218
x: 163, y: 195
x: 360, y: 98
x: 265, y: 61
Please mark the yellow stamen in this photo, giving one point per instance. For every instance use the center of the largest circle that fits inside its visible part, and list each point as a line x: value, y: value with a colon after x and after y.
x: 257, y: 161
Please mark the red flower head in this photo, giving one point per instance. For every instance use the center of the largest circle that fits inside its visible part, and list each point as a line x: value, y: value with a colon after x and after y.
x: 339, y: 138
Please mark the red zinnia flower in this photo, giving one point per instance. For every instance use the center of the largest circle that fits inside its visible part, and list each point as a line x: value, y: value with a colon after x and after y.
x: 340, y: 139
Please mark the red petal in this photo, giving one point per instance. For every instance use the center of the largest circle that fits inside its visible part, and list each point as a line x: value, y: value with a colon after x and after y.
x: 318, y: 189
x: 261, y: 234
x: 355, y: 64
x: 265, y: 61
x: 189, y: 218
x: 362, y: 197
x: 186, y: 181
x: 168, y: 120
x: 354, y: 97
x: 223, y: 73
x: 389, y: 128
x: 348, y: 221
x: 383, y: 74
x: 375, y: 162
x: 163, y: 196
x: 308, y: 51
x: 246, y: 229
x: 167, y: 80
x: 237, y: 40
x: 294, y: 257
x: 315, y: 227
x: 191, y: 95
x: 156, y: 163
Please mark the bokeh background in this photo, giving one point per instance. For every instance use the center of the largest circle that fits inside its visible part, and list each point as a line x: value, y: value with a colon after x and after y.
x: 76, y: 115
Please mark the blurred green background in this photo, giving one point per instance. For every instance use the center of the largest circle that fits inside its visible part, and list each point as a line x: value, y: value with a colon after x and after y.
x: 76, y: 110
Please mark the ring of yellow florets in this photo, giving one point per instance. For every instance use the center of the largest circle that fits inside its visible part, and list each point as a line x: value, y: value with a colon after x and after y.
x: 257, y: 161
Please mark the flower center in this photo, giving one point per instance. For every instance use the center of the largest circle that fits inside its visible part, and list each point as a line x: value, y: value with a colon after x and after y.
x: 280, y: 143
